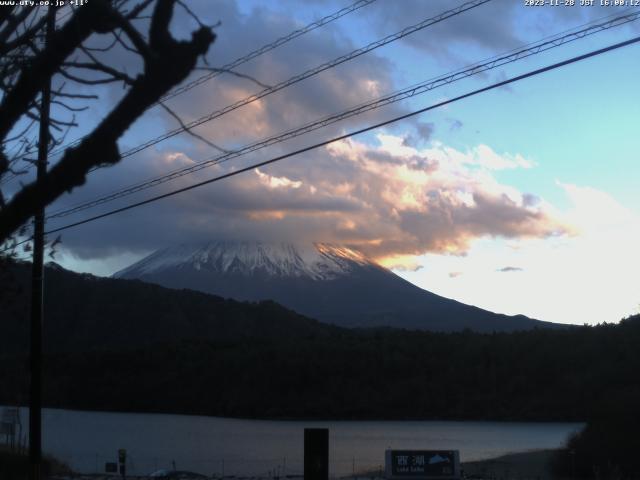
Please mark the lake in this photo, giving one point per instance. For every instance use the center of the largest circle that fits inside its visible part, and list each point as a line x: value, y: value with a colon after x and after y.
x: 223, y: 446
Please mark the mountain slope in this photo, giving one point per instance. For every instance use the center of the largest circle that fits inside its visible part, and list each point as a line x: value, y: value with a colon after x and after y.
x: 84, y: 312
x: 332, y: 284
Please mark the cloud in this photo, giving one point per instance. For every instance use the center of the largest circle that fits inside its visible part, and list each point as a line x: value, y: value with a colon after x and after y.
x: 401, y: 262
x: 389, y: 200
x: 510, y: 269
x: 455, y: 125
x: 485, y: 156
x: 424, y: 132
x: 276, y: 182
x: 393, y: 196
x: 494, y: 27
x: 361, y: 79
x: 488, y: 26
x: 586, y: 277
x: 595, y: 211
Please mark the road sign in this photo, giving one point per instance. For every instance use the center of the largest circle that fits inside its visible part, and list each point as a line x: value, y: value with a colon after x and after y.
x: 422, y: 464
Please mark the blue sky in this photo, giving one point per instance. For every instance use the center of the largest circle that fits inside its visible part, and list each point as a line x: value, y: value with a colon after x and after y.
x: 519, y: 200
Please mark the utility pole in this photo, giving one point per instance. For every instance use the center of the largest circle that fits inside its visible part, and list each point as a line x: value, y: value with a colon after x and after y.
x: 35, y: 357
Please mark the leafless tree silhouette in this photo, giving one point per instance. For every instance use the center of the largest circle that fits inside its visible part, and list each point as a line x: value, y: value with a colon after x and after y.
x: 80, y: 59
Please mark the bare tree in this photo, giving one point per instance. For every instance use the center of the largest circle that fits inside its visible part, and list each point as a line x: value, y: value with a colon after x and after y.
x: 73, y: 58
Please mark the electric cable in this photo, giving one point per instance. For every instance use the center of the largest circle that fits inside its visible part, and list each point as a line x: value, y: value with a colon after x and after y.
x: 397, y: 96
x: 493, y: 86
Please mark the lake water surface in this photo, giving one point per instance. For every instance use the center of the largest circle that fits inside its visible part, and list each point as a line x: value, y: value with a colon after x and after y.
x: 210, y: 445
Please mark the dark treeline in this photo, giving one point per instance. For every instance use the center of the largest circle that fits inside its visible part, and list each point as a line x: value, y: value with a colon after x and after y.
x: 14, y: 465
x: 606, y: 449
x: 576, y: 374
x: 84, y: 312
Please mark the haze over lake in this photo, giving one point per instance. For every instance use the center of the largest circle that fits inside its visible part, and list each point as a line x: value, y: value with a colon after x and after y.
x: 210, y: 445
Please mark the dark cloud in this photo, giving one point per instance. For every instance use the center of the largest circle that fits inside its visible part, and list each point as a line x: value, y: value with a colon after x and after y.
x: 425, y: 130
x: 374, y: 198
x: 488, y: 26
x: 455, y: 125
x: 397, y: 198
x: 497, y: 26
x: 331, y: 91
x: 423, y: 133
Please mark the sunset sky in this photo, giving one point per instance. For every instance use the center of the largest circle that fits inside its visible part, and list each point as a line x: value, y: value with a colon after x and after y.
x: 523, y: 199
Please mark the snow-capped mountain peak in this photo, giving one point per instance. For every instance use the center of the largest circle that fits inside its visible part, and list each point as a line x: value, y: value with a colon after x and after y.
x: 325, y: 282
x: 318, y: 261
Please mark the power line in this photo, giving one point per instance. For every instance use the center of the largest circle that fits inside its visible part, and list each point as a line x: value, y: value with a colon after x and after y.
x: 556, y: 40
x: 351, y: 134
x: 241, y: 60
x: 397, y: 96
x: 309, y: 73
x: 295, y: 79
x: 266, y: 48
x: 251, y: 55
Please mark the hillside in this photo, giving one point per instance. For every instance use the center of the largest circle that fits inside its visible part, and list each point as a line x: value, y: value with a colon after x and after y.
x: 84, y: 312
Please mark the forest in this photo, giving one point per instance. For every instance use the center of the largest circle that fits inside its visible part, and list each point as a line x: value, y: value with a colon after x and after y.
x: 541, y: 375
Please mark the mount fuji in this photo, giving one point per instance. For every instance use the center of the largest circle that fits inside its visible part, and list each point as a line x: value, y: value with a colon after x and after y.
x: 330, y: 283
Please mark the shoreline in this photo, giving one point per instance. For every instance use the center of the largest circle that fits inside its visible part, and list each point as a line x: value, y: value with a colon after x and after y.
x: 284, y: 419
x: 534, y: 464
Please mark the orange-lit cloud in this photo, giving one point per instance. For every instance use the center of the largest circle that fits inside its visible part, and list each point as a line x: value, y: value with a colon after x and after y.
x: 391, y: 201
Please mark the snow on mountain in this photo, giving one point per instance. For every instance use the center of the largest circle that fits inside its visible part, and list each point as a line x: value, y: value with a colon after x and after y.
x: 329, y: 283
x: 317, y: 261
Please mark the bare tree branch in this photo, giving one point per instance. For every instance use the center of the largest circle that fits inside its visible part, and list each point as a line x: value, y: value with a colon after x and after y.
x: 69, y: 107
x: 103, y: 49
x: 58, y: 93
x: 88, y: 81
x: 23, y: 37
x: 13, y: 22
x: 168, y: 62
x: 125, y: 45
x: 190, y: 131
x: 115, y: 74
x: 5, y: 13
x: 192, y: 15
x: 93, y: 17
x: 20, y: 133
x: 235, y: 74
x: 135, y: 11
x: 134, y: 35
